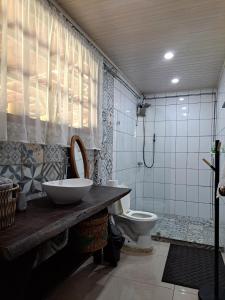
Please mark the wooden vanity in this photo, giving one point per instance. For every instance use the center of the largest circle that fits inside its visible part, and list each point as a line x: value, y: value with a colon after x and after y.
x: 41, y: 222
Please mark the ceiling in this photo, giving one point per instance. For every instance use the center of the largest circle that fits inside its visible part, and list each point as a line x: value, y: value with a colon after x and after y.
x: 135, y: 34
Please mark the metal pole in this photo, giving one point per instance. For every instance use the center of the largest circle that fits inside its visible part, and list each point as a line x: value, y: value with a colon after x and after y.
x: 214, y: 291
x: 216, y: 237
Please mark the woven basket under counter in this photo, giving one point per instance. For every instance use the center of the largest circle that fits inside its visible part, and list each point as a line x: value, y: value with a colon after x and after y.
x: 92, y: 234
x: 8, y: 200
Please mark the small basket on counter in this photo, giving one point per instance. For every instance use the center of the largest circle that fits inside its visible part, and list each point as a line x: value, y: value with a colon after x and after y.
x: 8, y: 198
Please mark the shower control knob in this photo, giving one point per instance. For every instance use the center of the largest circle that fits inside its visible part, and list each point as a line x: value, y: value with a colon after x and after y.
x: 222, y: 190
x: 140, y: 163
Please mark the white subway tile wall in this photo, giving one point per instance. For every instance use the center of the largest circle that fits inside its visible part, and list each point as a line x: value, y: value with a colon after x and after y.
x: 125, y: 144
x: 221, y: 133
x: 179, y: 183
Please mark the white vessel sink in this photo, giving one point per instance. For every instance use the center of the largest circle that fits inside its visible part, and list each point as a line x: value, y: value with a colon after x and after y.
x: 67, y: 191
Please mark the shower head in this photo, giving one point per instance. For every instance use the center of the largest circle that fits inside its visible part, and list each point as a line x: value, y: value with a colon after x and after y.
x: 141, y: 109
x: 143, y: 105
x: 146, y: 105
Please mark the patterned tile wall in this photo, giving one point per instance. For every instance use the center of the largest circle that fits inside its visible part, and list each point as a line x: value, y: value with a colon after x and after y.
x: 103, y: 159
x: 31, y: 164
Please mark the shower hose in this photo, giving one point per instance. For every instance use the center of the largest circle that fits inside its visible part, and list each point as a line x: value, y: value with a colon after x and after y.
x: 143, y: 149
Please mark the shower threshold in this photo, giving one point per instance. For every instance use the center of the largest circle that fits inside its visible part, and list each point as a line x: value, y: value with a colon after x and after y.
x: 182, y: 230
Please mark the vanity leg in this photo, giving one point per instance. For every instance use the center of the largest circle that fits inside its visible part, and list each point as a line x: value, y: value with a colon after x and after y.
x: 98, y: 257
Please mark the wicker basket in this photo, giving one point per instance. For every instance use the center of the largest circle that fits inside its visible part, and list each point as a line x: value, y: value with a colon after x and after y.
x: 92, y: 234
x: 8, y: 206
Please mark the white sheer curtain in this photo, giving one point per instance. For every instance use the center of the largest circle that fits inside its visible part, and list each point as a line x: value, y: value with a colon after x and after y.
x: 50, y: 79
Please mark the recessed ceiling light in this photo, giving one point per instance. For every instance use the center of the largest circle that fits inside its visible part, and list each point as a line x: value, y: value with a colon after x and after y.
x: 181, y: 99
x: 184, y: 107
x: 175, y: 80
x: 185, y: 114
x: 168, y: 55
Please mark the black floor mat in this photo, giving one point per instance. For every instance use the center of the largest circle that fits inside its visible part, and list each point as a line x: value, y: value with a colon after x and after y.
x: 191, y: 267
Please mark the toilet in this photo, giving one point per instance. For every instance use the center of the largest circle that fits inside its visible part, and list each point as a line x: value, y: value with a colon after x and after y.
x: 136, y: 226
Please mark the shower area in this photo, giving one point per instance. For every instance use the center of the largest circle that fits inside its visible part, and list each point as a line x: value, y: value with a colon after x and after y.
x: 158, y: 150
x: 178, y: 187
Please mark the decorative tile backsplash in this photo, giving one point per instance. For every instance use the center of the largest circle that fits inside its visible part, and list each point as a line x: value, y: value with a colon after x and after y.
x: 54, y: 153
x: 54, y: 170
x: 31, y: 164
x: 24, y: 164
x: 32, y: 154
x: 10, y: 153
x: 11, y: 171
x: 31, y: 178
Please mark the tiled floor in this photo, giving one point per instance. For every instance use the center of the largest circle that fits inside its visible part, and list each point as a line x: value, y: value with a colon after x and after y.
x: 135, y: 278
x: 187, y: 229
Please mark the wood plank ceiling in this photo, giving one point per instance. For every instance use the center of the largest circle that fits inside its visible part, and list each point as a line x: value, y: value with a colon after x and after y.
x: 135, y: 34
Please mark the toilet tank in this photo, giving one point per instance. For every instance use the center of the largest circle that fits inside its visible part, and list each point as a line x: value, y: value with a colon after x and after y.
x: 116, y: 208
x: 125, y: 202
x: 121, y: 206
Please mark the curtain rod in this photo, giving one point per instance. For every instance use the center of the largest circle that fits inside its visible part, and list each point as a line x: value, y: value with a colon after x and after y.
x: 114, y: 73
x: 107, y: 61
x: 177, y: 96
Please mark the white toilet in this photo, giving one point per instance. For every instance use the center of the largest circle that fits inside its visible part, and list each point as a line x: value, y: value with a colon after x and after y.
x: 135, y: 225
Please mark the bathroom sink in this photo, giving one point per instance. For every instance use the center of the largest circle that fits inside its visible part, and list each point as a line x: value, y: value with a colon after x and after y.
x: 67, y: 191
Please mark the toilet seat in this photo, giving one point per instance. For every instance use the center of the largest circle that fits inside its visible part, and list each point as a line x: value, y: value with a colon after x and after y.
x: 142, y: 216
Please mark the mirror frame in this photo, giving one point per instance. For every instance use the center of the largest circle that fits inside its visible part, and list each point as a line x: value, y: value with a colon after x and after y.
x: 76, y: 139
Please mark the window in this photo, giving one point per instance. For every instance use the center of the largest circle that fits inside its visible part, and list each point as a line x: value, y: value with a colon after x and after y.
x: 51, y: 78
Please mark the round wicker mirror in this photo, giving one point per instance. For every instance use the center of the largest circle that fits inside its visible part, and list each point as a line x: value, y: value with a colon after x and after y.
x: 78, y: 158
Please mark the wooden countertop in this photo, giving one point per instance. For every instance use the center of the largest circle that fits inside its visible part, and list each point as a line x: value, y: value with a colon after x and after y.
x: 42, y: 220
